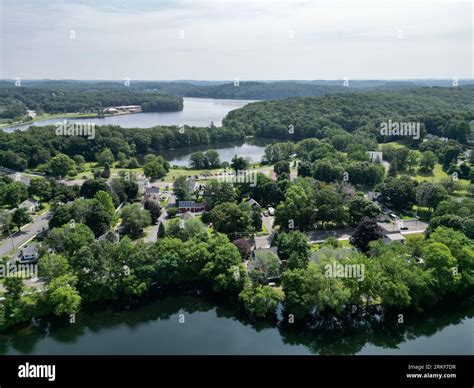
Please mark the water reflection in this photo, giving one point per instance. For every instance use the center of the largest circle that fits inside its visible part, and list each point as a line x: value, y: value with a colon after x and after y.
x: 253, y: 148
x: 214, y: 326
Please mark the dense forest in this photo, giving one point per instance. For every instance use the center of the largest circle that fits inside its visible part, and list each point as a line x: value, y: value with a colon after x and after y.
x: 342, y: 119
x: 15, y: 100
x: 247, y: 90
x: 441, y: 111
x: 22, y: 149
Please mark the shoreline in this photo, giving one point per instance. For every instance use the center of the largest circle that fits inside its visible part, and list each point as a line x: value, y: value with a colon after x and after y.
x: 62, y: 116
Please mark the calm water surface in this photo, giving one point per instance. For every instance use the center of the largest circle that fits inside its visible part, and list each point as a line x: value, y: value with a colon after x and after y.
x: 216, y: 328
x: 252, y: 148
x: 198, y: 112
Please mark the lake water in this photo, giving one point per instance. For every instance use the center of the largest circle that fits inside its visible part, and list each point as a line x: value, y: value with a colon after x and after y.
x: 212, y: 327
x: 198, y: 112
x: 252, y: 148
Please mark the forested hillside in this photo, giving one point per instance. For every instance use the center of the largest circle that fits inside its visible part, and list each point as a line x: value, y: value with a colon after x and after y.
x: 441, y: 111
x: 38, y: 145
x: 15, y: 100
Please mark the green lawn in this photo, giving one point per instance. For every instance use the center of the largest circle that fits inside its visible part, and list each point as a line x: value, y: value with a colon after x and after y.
x: 346, y: 243
x: 435, y: 176
x: 395, y: 144
x: 46, y: 207
x: 413, y: 236
x: 176, y: 172
x: 48, y: 116
x: 179, y: 171
x: 263, y: 232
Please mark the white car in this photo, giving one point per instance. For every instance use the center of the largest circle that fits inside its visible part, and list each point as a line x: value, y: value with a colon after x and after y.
x: 271, y: 211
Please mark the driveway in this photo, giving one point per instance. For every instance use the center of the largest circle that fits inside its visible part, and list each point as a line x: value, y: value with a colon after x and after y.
x: 151, y: 235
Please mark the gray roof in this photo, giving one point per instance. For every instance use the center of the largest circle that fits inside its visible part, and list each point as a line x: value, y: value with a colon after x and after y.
x: 30, y: 249
x: 394, y: 237
x: 252, y: 202
x: 29, y: 202
x: 186, y: 203
x: 152, y: 190
x: 190, y: 204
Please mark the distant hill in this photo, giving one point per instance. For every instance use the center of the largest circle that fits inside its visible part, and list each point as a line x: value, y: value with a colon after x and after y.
x: 246, y: 90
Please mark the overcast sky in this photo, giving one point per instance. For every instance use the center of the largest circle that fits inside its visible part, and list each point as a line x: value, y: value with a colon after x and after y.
x: 210, y: 40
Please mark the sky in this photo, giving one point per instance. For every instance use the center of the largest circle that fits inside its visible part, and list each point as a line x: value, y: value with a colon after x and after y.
x: 225, y: 40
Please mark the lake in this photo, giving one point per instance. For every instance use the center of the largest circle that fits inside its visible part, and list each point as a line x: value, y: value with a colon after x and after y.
x: 198, y: 112
x: 252, y: 148
x: 212, y: 327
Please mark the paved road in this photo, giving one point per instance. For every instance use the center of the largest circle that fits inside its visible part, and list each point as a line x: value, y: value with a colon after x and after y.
x: 28, y: 232
x: 151, y: 235
x: 413, y: 226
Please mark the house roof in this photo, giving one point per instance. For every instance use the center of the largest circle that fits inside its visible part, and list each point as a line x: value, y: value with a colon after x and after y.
x: 252, y: 202
x: 30, y: 249
x: 152, y: 190
x: 186, y: 203
x: 190, y: 204
x: 29, y: 202
x: 394, y: 237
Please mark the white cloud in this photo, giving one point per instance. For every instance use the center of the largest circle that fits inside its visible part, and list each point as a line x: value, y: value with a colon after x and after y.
x: 249, y: 40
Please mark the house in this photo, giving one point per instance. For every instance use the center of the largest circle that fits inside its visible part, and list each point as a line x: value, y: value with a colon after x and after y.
x: 195, y: 187
x: 111, y: 111
x: 253, y: 203
x: 190, y: 206
x: 30, y: 205
x: 110, y: 236
x: 129, y: 108
x: 375, y: 156
x: 152, y: 192
x: 29, y: 253
x: 393, y: 237
x: 143, y: 182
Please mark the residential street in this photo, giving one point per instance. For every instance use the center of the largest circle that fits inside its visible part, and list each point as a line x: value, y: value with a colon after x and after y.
x: 27, y: 233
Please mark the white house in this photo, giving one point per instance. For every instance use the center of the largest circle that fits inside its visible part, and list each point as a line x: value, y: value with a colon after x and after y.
x: 30, y: 205
x: 393, y: 237
x: 375, y: 156
x: 29, y: 253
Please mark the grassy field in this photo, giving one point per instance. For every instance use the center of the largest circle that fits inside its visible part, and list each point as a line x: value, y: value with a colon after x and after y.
x: 413, y: 236
x: 395, y: 144
x: 176, y: 172
x: 48, y: 116
x: 435, y: 176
